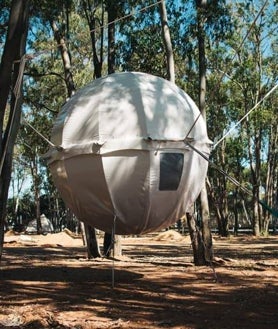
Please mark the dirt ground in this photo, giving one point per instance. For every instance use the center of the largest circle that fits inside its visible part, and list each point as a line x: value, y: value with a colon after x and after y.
x: 47, y: 282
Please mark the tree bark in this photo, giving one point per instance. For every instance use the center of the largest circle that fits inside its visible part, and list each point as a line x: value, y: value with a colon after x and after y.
x: 202, y: 58
x: 91, y: 242
x: 206, y: 232
x: 221, y: 208
x: 205, y: 240
x: 109, y: 244
x: 111, y: 13
x: 271, y: 175
x: 196, y: 240
x: 255, y: 177
x: 65, y: 58
x: 11, y: 73
x: 167, y: 42
x: 90, y: 13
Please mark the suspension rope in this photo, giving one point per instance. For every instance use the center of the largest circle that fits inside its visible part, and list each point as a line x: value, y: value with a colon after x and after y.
x: 127, y: 15
x: 194, y: 123
x: 234, y: 181
x: 58, y: 148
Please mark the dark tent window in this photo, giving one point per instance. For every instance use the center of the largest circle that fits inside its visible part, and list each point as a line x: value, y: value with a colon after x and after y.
x: 171, y: 166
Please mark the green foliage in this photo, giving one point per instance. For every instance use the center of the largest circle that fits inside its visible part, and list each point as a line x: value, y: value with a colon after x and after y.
x: 140, y: 56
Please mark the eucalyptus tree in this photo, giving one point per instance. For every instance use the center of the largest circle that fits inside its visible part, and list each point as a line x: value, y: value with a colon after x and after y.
x: 217, y: 121
x: 166, y: 36
x: 271, y: 174
x: 40, y: 73
x: 17, y: 187
x: 95, y: 16
x: 11, y: 72
x: 252, y: 80
x: 269, y: 80
x: 210, y: 22
x: 205, y: 243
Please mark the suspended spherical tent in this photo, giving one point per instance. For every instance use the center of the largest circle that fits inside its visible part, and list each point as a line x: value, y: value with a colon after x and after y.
x: 121, y: 159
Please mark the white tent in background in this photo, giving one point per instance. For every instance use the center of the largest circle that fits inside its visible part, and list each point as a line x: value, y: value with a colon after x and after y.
x: 47, y: 226
x: 120, y: 157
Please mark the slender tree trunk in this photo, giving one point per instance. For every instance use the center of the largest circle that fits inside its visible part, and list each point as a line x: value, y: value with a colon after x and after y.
x: 202, y: 59
x: 235, y: 203
x: 90, y: 13
x: 196, y: 240
x: 206, y: 232
x: 256, y: 221
x: 65, y: 58
x: 202, y: 106
x: 223, y: 197
x: 11, y: 73
x: 271, y: 172
x: 112, y: 14
x: 36, y: 183
x: 167, y: 42
x: 220, y: 208
x: 38, y: 209
x: 91, y: 242
x: 255, y: 176
x: 109, y: 244
x: 205, y: 241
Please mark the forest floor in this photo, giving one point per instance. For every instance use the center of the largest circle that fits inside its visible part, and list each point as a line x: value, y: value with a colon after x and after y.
x: 47, y: 282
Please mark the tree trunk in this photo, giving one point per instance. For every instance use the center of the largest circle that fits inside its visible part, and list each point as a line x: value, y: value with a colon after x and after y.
x: 256, y: 221
x: 90, y: 13
x: 167, y: 42
x: 91, y: 242
x: 36, y: 183
x: 111, y: 13
x: 196, y: 240
x: 270, y: 176
x: 206, y: 239
x: 65, y: 58
x: 202, y: 58
x: 220, y: 208
x: 235, y: 204
x: 255, y: 176
x: 109, y: 245
x: 206, y: 232
x: 11, y: 73
x: 38, y: 211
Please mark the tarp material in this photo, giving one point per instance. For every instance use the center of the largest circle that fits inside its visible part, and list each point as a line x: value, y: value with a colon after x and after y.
x: 120, y: 159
